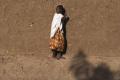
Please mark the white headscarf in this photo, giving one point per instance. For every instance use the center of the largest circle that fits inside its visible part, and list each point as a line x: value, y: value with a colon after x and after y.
x: 56, y: 23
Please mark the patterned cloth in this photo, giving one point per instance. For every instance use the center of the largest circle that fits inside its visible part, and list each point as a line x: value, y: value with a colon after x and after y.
x: 57, y: 42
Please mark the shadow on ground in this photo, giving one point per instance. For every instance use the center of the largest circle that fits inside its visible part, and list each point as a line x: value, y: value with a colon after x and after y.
x: 65, y: 21
x: 84, y: 70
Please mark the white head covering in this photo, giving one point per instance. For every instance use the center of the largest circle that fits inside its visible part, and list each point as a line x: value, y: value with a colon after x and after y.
x: 56, y: 23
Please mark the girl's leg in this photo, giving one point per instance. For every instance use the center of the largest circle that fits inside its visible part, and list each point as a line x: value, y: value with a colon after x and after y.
x: 59, y: 55
x: 54, y: 53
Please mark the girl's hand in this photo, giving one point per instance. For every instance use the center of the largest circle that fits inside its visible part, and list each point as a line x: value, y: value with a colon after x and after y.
x: 52, y: 37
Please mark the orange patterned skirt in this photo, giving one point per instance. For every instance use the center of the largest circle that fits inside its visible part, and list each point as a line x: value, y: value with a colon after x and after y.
x: 57, y: 42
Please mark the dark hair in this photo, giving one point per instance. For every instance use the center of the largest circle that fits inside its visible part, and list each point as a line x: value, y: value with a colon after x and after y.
x: 60, y: 9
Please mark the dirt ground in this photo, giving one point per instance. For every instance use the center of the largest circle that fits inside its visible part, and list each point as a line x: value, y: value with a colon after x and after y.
x: 93, y: 47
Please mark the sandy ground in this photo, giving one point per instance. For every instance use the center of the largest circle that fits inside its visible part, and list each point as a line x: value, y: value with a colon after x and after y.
x: 93, y: 47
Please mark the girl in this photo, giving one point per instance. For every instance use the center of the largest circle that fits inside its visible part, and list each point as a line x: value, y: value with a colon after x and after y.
x: 56, y: 35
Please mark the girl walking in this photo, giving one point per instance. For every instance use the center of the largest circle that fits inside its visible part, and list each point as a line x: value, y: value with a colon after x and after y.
x: 57, y: 33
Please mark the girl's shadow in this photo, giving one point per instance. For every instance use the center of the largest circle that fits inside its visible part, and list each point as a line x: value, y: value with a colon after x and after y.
x: 65, y: 21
